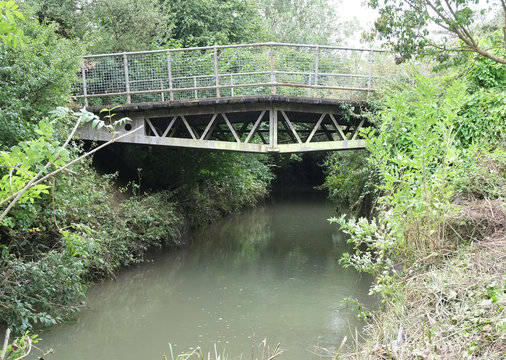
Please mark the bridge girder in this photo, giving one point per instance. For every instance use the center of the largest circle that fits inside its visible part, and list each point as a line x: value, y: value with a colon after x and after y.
x: 265, y: 124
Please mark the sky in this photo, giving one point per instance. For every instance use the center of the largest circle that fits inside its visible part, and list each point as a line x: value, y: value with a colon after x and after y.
x: 350, y: 9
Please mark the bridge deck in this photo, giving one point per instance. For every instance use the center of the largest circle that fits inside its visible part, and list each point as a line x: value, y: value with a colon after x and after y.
x: 261, y: 124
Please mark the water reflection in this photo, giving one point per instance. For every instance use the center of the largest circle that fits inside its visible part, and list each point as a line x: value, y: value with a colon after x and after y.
x: 271, y: 271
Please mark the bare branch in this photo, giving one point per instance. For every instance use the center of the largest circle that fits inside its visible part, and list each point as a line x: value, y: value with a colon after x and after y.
x: 6, y: 343
x: 465, y: 34
x: 29, y: 348
x: 36, y: 180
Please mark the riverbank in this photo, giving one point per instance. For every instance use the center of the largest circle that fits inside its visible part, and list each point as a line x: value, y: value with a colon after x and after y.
x: 451, y: 309
x: 436, y: 169
x: 55, y: 247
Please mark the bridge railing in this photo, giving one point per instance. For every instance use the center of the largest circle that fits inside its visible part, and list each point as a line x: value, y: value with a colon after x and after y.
x: 228, y: 71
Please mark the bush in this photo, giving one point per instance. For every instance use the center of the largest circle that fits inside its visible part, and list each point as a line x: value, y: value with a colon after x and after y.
x: 35, y: 79
x: 42, y: 291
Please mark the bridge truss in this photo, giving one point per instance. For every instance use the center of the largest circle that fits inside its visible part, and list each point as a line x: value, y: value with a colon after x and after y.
x: 255, y: 98
x: 249, y: 124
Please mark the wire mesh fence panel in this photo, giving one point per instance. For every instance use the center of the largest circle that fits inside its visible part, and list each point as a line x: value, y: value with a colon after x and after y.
x: 247, y: 66
x: 231, y: 71
x: 294, y: 67
x: 345, y: 73
x: 146, y: 73
x: 193, y: 69
x: 105, y: 79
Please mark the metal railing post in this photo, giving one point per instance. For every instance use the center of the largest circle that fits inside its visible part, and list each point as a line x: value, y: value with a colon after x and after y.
x: 232, y: 83
x: 273, y: 75
x: 369, y: 80
x: 309, y: 80
x: 273, y: 127
x: 169, y: 70
x: 195, y: 86
x: 127, y: 80
x: 85, y: 90
x: 216, y: 72
x: 316, y: 68
x: 161, y: 88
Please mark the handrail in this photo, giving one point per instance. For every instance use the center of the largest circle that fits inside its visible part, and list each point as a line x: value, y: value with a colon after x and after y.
x: 230, y: 70
x: 235, y: 46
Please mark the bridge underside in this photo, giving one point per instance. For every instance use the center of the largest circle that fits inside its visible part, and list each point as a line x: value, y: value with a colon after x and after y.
x: 262, y: 124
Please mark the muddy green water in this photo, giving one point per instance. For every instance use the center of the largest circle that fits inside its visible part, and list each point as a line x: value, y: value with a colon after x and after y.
x: 270, y: 271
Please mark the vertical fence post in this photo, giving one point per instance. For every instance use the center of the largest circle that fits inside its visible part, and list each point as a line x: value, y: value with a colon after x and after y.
x: 316, y: 69
x: 232, y: 83
x: 195, y: 87
x: 127, y: 80
x: 369, y: 80
x: 273, y: 75
x: 169, y: 70
x: 161, y: 88
x: 85, y: 89
x: 273, y: 127
x: 216, y: 72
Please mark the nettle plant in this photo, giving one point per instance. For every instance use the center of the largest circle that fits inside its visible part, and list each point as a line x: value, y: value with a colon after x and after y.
x: 29, y: 164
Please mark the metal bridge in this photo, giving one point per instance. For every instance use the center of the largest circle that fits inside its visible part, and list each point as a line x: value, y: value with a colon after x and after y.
x: 263, y: 98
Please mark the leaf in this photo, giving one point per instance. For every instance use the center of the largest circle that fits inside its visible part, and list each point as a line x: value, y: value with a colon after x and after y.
x: 95, y: 123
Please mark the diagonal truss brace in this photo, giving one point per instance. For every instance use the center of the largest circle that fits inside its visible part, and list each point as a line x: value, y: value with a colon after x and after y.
x: 211, y: 131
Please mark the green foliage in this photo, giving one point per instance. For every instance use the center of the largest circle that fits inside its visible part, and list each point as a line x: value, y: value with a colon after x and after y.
x: 41, y: 291
x: 350, y: 181
x: 302, y: 21
x: 240, y: 180
x: 215, y: 22
x: 89, y: 236
x: 21, y: 346
x: 423, y: 159
x: 208, y: 184
x: 482, y: 174
x: 487, y: 74
x: 10, y: 34
x: 128, y: 25
x: 28, y: 158
x: 406, y: 27
x: 67, y: 15
x: 35, y: 79
x: 28, y: 164
x: 414, y: 152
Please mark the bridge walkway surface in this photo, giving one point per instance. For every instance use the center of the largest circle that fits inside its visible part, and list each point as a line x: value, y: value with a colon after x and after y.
x: 251, y: 98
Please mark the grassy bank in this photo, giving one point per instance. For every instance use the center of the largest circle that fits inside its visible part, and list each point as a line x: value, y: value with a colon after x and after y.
x: 434, y: 237
x: 451, y: 309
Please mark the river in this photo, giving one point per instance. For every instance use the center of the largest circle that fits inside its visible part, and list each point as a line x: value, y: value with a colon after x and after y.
x: 270, y: 272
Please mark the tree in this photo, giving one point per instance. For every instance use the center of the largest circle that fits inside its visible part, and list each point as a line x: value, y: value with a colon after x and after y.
x: 10, y: 34
x: 301, y: 21
x: 66, y: 14
x: 129, y: 25
x: 215, y: 22
x: 406, y: 25
x: 30, y: 163
x: 35, y: 79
